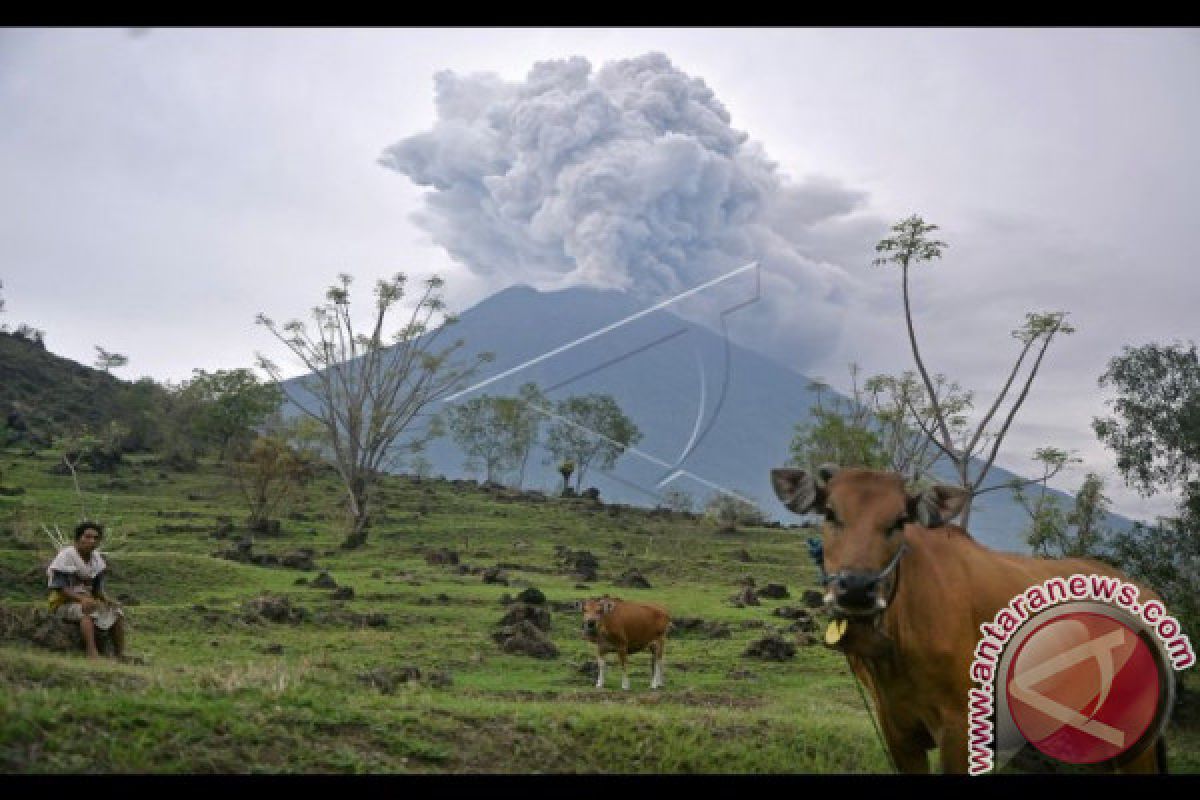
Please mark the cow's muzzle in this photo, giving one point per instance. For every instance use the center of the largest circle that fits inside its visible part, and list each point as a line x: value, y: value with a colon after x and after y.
x: 857, y: 593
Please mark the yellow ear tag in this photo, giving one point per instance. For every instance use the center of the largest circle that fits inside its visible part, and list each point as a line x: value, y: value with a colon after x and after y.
x: 835, y: 631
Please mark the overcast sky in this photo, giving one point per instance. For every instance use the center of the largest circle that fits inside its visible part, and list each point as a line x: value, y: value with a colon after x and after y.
x: 160, y: 188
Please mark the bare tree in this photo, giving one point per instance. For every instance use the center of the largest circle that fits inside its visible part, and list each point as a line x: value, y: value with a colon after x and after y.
x: 908, y: 246
x: 367, y: 391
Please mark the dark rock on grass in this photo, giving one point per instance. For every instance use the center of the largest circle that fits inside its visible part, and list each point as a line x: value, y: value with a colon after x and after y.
x: 463, y: 569
x: 324, y: 581
x: 275, y: 609
x: 523, y: 612
x: 742, y: 555
x: 752, y: 624
x: 695, y: 626
x: 442, y: 556
x: 532, y: 596
x: 273, y: 649
x: 343, y: 593
x: 776, y: 591
x: 298, y: 559
x: 352, y: 619
x: 804, y: 638
x: 506, y: 599
x: 589, y: 668
x: 495, y: 575
x: 812, y: 598
x: 633, y: 579
x: 746, y: 597
x: 386, y: 679
x: 442, y: 598
x: 300, y: 582
x: 771, y: 647
x: 525, y: 639
x: 439, y: 679
x: 802, y: 616
x: 581, y: 564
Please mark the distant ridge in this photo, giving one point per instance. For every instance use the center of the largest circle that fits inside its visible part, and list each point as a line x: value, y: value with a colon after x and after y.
x: 670, y: 376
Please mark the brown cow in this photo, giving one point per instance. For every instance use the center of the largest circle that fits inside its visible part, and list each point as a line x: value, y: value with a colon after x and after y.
x: 911, y: 631
x: 616, y: 625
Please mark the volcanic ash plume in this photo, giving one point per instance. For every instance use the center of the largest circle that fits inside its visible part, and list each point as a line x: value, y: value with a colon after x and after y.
x: 629, y: 178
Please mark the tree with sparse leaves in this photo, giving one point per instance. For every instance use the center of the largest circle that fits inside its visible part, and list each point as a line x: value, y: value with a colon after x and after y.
x: 590, y: 430
x: 909, y: 245
x: 367, y: 387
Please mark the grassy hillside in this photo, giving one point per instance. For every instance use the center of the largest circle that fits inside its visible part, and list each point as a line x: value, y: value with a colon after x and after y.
x: 224, y: 690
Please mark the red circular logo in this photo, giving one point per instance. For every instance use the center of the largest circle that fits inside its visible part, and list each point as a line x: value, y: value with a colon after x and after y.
x: 1083, y: 688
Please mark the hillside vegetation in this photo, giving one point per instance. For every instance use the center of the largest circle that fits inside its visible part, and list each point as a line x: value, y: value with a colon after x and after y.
x: 217, y: 686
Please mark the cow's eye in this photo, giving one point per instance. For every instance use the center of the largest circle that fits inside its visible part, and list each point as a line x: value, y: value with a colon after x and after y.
x: 831, y: 518
x: 898, y: 525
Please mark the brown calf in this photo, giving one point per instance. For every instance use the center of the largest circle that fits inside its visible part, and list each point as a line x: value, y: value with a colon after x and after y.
x: 912, y: 615
x: 619, y: 626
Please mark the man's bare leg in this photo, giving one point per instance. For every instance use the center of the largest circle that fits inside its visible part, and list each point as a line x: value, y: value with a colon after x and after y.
x: 118, y: 637
x: 88, y: 629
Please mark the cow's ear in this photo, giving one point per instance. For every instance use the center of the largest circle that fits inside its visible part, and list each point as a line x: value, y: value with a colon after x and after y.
x: 937, y: 505
x: 797, y: 490
x: 607, y: 606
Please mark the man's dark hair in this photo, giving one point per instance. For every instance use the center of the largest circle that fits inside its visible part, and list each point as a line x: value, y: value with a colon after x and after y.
x: 83, y: 526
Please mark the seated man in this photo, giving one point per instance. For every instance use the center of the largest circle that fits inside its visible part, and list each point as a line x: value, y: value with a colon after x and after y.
x: 77, y: 582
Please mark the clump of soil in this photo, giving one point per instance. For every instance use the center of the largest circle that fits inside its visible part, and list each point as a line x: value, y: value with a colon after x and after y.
x: 707, y: 629
x: 526, y: 639
x: 771, y: 647
x: 633, y: 579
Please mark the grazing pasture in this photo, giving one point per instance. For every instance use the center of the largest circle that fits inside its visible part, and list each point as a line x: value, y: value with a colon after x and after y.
x: 412, y: 661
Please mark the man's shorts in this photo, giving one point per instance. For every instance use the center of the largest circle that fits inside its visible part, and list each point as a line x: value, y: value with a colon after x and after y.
x: 103, y: 616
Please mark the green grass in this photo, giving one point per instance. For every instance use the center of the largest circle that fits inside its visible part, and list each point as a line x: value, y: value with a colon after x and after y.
x: 212, y: 697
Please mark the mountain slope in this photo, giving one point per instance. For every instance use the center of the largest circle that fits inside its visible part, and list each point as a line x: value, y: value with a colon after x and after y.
x: 721, y: 413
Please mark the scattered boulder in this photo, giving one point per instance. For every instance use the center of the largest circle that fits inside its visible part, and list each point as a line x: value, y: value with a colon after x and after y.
x: 441, y: 556
x: 273, y: 649
x: 581, y: 564
x: 633, y: 579
x: 523, y: 612
x: 591, y: 493
x: 812, y: 598
x: 776, y: 591
x: 301, y: 581
x: 274, y: 609
x: 495, y: 575
x: 299, y: 559
x: 442, y: 598
x: 324, y: 581
x: 708, y: 629
x: 742, y: 555
x: 588, y: 667
x: 771, y: 647
x: 746, y: 597
x: 793, y: 613
x: 439, y: 679
x: 525, y: 639
x: 343, y: 593
x: 386, y: 679
x: 532, y: 596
